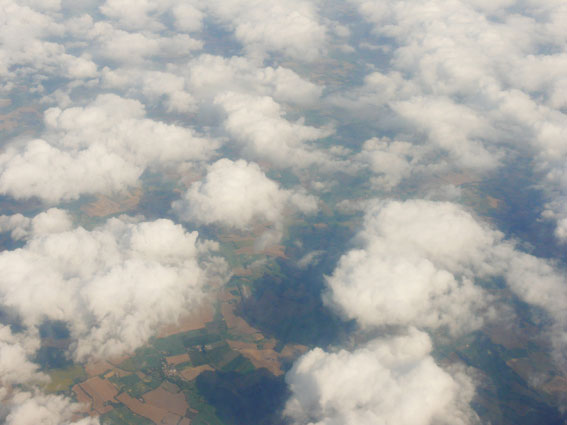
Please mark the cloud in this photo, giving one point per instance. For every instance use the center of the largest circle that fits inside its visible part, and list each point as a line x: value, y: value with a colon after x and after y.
x: 114, y: 285
x: 392, y: 380
x: 540, y: 283
x: 238, y: 194
x: 476, y: 80
x: 419, y: 264
x: 290, y: 28
x: 51, y: 221
x: 16, y: 350
x: 414, y: 267
x: 455, y: 128
x: 101, y: 148
x: 154, y: 85
x: 42, y: 409
x: 27, y: 46
x: 135, y: 47
x: 257, y: 123
x: 391, y: 160
x: 211, y: 75
x: 206, y: 76
x: 55, y: 175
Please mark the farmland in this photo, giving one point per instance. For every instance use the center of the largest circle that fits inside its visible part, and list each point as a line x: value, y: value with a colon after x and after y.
x: 171, y: 380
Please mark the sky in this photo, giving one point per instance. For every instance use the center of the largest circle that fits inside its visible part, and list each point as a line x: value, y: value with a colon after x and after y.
x: 381, y: 109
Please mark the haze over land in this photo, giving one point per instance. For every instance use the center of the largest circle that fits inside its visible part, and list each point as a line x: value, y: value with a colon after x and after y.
x: 286, y: 212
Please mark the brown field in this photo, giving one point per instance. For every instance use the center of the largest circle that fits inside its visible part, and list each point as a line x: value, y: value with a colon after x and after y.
x: 10, y: 120
x: 115, y: 361
x: 265, y: 357
x: 293, y: 350
x: 507, y: 336
x: 248, y: 239
x: 97, y: 367
x: 170, y: 419
x: 459, y: 179
x: 557, y: 384
x: 320, y: 225
x: 172, y: 402
x: 175, y: 360
x: 272, y: 251
x: 527, y: 368
x: 240, y: 271
x: 185, y: 421
x: 153, y: 413
x: 192, y: 372
x: 104, y: 205
x: 494, y: 203
x: 170, y: 386
x: 101, y: 392
x: 83, y: 398
x: 57, y: 343
x: 196, y: 320
x: 234, y: 322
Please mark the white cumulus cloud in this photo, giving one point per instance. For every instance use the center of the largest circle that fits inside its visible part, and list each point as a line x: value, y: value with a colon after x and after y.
x: 419, y: 264
x: 101, y: 148
x: 387, y: 381
x: 113, y: 286
x: 238, y: 194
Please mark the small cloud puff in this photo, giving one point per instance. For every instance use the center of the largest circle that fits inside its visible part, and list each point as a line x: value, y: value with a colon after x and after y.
x: 236, y: 194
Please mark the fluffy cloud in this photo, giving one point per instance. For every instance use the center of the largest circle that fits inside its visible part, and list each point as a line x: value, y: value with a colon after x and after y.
x: 476, y: 80
x: 113, y: 285
x: 391, y: 160
x: 101, y: 148
x: 203, y: 78
x: 238, y: 194
x: 211, y: 75
x: 134, y: 47
x: 388, y: 381
x: 51, y: 221
x: 417, y: 265
x: 258, y: 124
x: 28, y: 47
x: 414, y: 268
x: 43, y: 409
x: 154, y: 85
x: 291, y: 27
x: 15, y: 365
